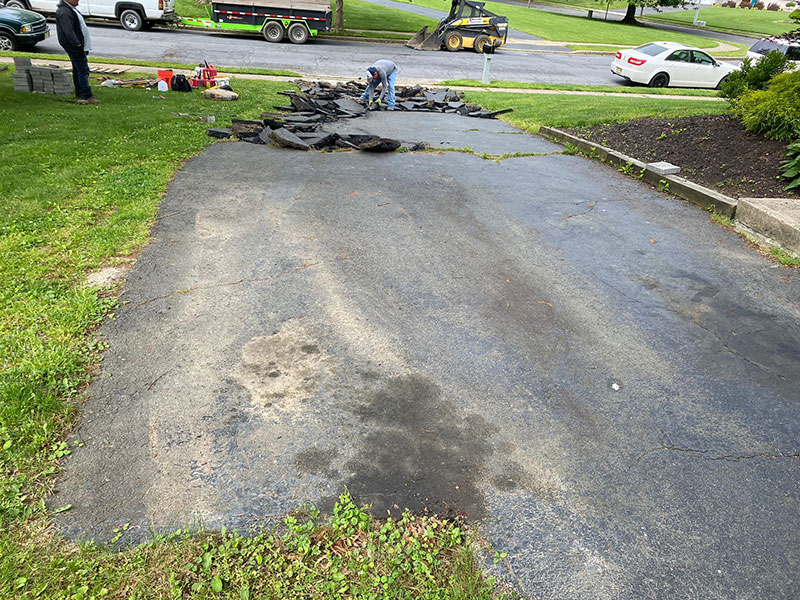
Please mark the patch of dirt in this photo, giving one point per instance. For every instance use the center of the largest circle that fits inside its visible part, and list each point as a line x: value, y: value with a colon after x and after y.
x: 715, y: 151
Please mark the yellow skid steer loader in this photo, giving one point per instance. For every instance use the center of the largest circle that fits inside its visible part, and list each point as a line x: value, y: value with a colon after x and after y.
x: 469, y: 25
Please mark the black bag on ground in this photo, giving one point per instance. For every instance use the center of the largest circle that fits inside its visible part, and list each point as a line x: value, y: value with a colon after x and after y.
x: 179, y: 83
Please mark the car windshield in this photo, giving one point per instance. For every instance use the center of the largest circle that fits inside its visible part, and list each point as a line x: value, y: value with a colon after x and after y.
x: 765, y: 47
x: 651, y: 49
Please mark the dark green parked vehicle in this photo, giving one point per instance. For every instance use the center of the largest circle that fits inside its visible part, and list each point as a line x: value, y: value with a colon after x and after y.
x: 21, y: 29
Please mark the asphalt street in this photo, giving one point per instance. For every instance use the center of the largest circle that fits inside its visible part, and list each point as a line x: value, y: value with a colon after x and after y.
x: 337, y: 58
x: 596, y: 371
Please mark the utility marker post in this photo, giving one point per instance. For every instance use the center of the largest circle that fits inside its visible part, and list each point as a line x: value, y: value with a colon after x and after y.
x: 487, y: 65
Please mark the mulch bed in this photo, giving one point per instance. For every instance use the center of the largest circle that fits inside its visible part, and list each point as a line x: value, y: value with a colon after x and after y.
x: 715, y: 151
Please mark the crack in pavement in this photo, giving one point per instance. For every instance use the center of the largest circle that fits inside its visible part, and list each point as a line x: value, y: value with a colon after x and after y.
x: 225, y: 284
x: 716, y: 455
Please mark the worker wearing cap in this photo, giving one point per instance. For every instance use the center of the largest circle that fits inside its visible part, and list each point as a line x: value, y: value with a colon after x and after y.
x: 382, y: 73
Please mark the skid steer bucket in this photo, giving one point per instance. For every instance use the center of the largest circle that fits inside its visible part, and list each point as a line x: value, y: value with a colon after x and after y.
x: 423, y: 40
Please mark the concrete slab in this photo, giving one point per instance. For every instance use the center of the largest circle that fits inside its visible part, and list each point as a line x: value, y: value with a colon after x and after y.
x: 775, y: 218
x: 605, y: 377
x: 445, y: 131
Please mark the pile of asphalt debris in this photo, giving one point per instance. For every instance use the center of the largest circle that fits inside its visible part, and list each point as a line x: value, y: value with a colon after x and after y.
x: 298, y: 124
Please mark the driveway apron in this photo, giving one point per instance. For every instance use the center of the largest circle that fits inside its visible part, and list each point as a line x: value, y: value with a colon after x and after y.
x: 604, y: 378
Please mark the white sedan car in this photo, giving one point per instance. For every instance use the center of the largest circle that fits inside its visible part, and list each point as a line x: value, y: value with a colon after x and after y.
x: 663, y: 64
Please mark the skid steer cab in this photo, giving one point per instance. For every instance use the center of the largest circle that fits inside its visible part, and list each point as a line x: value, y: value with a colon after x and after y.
x: 469, y: 25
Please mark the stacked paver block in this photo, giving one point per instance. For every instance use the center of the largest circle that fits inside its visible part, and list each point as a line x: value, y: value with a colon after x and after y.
x: 44, y: 80
x: 22, y: 76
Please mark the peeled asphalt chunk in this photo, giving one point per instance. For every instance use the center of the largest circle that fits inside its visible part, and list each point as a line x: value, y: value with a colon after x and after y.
x: 598, y: 373
x: 443, y: 131
x: 286, y: 139
x: 379, y: 145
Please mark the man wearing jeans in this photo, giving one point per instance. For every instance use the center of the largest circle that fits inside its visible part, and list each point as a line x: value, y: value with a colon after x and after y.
x: 382, y: 73
x: 73, y: 36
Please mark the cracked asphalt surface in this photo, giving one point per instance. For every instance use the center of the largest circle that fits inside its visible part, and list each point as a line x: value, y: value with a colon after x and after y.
x: 601, y: 375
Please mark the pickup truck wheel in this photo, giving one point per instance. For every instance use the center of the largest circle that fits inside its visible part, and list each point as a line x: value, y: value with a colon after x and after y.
x: 298, y: 33
x: 7, y: 42
x: 131, y: 20
x: 17, y: 4
x: 273, y: 31
x: 453, y: 42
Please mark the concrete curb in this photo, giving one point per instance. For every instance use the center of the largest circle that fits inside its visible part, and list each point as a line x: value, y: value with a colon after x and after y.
x: 777, y: 219
x: 678, y: 186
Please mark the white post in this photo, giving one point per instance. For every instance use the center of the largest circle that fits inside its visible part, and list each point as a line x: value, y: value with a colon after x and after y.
x: 487, y: 64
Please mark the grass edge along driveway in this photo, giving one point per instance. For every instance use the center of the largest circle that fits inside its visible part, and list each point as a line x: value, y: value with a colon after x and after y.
x: 81, y: 189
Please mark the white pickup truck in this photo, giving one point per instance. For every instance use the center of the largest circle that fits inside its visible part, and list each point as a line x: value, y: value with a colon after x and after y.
x: 133, y: 14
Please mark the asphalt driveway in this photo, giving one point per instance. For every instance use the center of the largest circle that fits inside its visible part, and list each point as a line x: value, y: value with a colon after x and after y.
x: 605, y: 378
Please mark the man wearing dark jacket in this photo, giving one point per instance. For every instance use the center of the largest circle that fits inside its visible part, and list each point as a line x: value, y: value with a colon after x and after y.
x: 73, y: 36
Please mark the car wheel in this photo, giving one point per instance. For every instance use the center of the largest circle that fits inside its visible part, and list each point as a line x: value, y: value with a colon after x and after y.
x: 7, y: 42
x: 453, y: 42
x: 131, y: 20
x: 298, y: 33
x: 17, y: 4
x: 659, y: 80
x: 273, y: 31
x: 721, y: 81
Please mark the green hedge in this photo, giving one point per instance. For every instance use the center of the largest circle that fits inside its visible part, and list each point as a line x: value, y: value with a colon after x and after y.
x: 775, y: 111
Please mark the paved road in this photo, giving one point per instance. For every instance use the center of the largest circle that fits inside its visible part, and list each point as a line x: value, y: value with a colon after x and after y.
x: 334, y: 58
x: 605, y: 377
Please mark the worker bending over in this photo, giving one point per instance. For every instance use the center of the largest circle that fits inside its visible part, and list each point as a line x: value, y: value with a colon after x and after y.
x: 382, y: 73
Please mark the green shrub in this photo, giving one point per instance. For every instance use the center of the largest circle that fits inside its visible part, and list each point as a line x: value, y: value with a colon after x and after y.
x: 795, y: 15
x: 775, y: 112
x: 791, y: 168
x: 754, y: 76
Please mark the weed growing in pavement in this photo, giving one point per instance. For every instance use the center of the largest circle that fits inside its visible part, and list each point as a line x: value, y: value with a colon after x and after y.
x: 570, y: 149
x: 630, y: 170
x: 721, y: 219
x: 663, y: 186
x: 788, y: 259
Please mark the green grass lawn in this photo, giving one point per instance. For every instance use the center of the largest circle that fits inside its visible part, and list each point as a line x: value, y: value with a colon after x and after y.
x: 565, y: 28
x: 531, y: 111
x: 739, y: 20
x: 357, y: 15
x: 594, y: 5
x: 607, y: 89
x: 81, y: 186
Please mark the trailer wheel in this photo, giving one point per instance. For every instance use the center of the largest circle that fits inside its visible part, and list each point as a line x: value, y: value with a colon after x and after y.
x: 480, y: 43
x: 131, y: 20
x: 273, y: 31
x: 298, y: 33
x: 453, y: 42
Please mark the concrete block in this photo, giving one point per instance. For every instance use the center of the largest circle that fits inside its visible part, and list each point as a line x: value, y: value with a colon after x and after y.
x: 775, y: 218
x: 663, y: 168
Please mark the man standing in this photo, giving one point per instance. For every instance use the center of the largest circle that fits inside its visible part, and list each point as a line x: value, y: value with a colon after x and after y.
x: 73, y: 36
x: 383, y: 73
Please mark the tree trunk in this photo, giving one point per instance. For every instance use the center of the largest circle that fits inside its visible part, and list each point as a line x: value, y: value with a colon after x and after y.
x: 630, y: 16
x: 338, y: 26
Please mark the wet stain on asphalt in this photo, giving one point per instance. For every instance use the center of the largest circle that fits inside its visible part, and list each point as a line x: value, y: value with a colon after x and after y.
x: 419, y: 451
x: 317, y: 461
